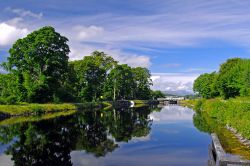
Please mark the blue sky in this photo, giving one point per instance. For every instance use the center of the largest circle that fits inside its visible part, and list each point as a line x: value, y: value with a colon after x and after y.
x: 177, y: 40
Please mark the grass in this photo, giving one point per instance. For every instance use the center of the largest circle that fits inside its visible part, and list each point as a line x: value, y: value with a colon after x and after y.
x: 233, y: 112
x: 38, y: 109
x: 188, y: 103
x: 228, y: 140
x: 25, y: 109
x: 212, y: 115
x: 21, y: 119
x: 34, y: 109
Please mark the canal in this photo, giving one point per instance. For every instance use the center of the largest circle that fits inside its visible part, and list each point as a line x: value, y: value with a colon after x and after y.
x: 136, y: 136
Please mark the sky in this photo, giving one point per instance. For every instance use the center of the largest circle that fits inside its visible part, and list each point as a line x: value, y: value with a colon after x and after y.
x: 177, y: 40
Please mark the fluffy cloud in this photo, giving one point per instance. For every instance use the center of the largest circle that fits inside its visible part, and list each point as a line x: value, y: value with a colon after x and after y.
x: 78, y: 51
x: 176, y: 83
x: 10, y: 33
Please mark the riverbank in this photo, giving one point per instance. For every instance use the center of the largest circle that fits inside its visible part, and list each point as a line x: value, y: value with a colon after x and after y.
x: 233, y: 113
x: 36, y: 109
x: 216, y: 115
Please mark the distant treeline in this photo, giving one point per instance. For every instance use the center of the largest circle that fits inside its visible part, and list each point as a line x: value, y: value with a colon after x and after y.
x: 232, y: 79
x: 38, y: 70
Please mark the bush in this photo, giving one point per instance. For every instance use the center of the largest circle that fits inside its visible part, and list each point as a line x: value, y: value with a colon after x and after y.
x: 233, y: 112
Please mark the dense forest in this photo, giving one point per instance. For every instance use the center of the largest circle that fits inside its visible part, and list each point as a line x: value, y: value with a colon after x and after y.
x: 232, y: 79
x: 38, y: 70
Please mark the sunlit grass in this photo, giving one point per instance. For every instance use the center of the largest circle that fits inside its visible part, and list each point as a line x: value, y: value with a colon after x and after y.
x: 234, y: 112
x: 25, y: 109
x: 21, y: 119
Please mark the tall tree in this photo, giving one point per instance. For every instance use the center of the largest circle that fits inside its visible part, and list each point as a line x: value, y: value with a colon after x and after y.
x: 40, y: 61
x: 120, y: 83
x: 142, y: 82
x: 228, y: 78
x: 91, y: 73
x: 204, y: 85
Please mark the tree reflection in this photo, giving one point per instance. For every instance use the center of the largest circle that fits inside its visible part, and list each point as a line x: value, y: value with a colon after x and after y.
x: 200, y: 123
x: 49, y: 142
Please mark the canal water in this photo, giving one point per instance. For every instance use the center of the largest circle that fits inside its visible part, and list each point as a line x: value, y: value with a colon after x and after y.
x: 135, y: 136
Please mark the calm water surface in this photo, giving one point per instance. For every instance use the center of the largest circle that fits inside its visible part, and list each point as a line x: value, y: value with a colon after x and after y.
x: 139, y: 136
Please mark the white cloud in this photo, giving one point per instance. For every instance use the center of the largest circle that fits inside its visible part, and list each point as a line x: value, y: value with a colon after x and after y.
x: 87, y: 33
x: 177, y: 83
x: 133, y: 60
x: 172, y: 24
x: 78, y: 51
x: 10, y: 33
x: 24, y: 13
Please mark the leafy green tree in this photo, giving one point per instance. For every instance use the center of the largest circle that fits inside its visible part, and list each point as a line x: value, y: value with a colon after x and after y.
x: 120, y: 83
x: 142, y: 82
x: 40, y: 61
x: 245, y: 78
x: 91, y: 73
x: 229, y: 78
x: 8, y: 89
x: 103, y: 60
x: 205, y: 85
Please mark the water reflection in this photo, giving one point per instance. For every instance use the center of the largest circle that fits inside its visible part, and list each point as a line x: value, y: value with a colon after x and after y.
x: 172, y: 114
x: 229, y: 142
x: 49, y: 142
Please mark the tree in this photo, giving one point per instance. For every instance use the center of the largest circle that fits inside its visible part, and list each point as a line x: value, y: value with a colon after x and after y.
x: 245, y: 78
x: 40, y: 61
x: 9, y: 92
x: 142, y: 82
x: 91, y: 73
x: 205, y: 85
x: 233, y: 79
x: 229, y: 77
x: 157, y: 94
x: 120, y: 83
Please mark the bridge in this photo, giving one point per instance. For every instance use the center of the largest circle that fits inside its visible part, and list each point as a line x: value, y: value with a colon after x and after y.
x: 170, y: 100
x: 218, y: 157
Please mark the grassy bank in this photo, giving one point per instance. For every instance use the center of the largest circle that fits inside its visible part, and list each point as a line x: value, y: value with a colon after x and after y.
x: 228, y: 140
x: 213, y: 115
x: 232, y: 112
x: 26, y: 109
x: 34, y: 109
x: 35, y: 118
x: 188, y: 103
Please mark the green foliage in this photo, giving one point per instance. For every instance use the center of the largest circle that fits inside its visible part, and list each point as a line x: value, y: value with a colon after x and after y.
x: 142, y: 82
x: 232, y: 112
x: 39, y: 61
x: 233, y: 79
x: 205, y: 85
x: 39, y: 72
x: 91, y: 73
x: 9, y: 92
x: 120, y: 83
x: 157, y: 94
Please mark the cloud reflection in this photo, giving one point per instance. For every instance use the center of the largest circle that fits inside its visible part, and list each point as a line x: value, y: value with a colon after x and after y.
x: 172, y: 114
